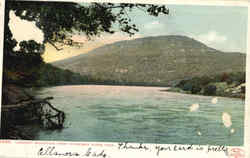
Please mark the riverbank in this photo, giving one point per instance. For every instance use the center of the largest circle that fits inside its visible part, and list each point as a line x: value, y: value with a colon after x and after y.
x: 221, y: 89
x: 230, y: 85
x: 21, y: 111
x: 12, y: 122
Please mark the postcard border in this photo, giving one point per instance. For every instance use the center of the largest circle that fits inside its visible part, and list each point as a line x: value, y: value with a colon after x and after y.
x: 179, y: 2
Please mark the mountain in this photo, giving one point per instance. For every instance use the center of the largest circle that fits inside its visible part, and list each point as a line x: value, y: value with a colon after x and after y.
x: 157, y: 60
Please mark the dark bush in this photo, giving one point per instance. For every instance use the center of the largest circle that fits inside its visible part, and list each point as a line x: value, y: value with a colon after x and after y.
x: 187, y: 86
x: 204, y: 80
x: 224, y: 77
x: 243, y: 89
x: 195, y: 89
x: 236, y: 76
x: 210, y: 90
x: 181, y: 84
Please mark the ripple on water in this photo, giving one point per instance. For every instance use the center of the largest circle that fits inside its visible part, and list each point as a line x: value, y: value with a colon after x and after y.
x: 143, y: 114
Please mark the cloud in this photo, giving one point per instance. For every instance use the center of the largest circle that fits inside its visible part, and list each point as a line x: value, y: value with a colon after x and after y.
x: 219, y: 41
x: 211, y: 37
x: 24, y: 30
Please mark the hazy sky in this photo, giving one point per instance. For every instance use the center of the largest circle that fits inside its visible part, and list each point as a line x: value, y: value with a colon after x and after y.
x: 222, y: 27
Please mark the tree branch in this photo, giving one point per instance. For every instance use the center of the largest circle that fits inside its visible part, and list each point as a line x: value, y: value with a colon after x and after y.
x: 141, y: 9
x: 127, y: 14
x: 119, y: 6
x: 58, y: 49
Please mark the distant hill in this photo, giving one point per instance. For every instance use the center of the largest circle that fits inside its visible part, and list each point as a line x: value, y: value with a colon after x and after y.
x: 159, y: 60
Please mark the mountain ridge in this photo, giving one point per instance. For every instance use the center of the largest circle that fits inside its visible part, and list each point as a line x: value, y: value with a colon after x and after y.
x: 153, y: 60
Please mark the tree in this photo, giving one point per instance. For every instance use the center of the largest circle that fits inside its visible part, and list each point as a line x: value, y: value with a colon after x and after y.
x: 60, y: 20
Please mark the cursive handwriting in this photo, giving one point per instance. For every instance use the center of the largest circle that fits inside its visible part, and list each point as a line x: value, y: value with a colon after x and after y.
x: 51, y: 151
x: 92, y: 153
x: 221, y: 148
x: 126, y: 146
x: 183, y: 148
x: 161, y: 148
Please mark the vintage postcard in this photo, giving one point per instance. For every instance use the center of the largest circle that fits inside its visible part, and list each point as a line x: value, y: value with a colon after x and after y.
x: 116, y: 79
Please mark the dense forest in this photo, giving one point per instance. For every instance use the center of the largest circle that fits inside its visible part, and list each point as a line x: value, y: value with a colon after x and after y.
x: 43, y: 74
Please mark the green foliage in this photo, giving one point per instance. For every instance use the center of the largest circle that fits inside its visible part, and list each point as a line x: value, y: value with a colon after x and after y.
x: 154, y: 61
x: 224, y: 77
x: 195, y: 89
x: 59, y: 21
x: 243, y: 89
x: 220, y: 87
x: 24, y: 67
x: 53, y: 76
x: 193, y: 85
x: 30, y: 46
x: 239, y: 77
x: 210, y: 90
x: 214, y: 85
x: 187, y: 86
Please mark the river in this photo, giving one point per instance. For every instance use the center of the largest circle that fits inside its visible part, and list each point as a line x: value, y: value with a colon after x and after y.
x: 99, y: 113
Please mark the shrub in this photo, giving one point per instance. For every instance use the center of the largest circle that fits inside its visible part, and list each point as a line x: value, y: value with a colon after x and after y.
x: 195, y: 89
x: 204, y: 80
x: 224, y: 77
x: 210, y: 90
x: 181, y: 84
x: 187, y: 86
x: 243, y: 89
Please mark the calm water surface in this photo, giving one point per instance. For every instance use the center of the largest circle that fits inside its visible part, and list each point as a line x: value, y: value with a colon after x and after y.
x: 142, y: 114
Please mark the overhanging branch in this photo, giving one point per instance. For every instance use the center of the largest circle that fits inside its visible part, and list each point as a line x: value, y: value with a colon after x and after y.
x: 58, y: 49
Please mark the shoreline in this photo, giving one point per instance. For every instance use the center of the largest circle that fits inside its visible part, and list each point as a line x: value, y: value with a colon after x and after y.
x: 161, y: 89
x: 180, y: 91
x: 21, y: 111
x: 103, y: 84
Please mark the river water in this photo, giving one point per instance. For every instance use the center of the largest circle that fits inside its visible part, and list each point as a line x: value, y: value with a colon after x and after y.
x: 99, y: 113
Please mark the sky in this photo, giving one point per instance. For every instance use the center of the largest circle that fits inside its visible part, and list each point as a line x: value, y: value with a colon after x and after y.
x: 220, y: 27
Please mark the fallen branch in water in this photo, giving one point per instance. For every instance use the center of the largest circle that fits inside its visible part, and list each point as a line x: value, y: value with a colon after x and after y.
x: 40, y: 110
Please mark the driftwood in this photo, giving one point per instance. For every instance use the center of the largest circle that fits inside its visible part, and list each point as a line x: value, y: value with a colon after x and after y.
x: 32, y: 110
x: 51, y: 116
x: 23, y: 104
